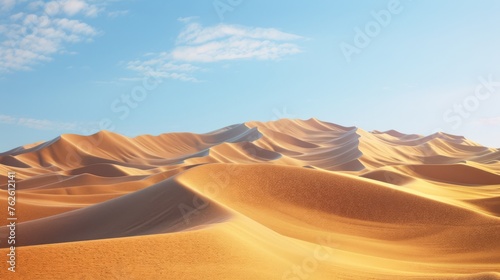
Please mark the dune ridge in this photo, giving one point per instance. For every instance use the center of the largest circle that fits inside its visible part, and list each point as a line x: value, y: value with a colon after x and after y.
x: 255, y: 201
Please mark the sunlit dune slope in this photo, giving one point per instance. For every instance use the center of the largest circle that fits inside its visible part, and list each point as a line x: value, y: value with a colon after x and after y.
x: 288, y: 199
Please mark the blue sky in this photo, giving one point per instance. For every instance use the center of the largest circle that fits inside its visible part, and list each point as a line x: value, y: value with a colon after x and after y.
x: 150, y: 67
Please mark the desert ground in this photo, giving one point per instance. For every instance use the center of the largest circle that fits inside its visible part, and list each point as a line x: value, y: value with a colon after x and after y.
x: 286, y: 199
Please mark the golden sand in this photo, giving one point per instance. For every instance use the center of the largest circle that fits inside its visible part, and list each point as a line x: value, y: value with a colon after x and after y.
x: 289, y: 199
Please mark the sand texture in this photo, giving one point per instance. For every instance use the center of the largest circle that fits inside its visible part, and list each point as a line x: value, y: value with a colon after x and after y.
x: 288, y: 199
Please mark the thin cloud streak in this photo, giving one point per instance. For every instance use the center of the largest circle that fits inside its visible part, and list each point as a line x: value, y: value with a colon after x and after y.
x: 43, y: 124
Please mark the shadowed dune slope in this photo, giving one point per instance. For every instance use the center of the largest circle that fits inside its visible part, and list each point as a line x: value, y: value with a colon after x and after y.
x: 156, y: 209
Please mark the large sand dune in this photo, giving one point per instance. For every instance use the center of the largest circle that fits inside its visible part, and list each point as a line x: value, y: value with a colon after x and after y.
x: 289, y: 199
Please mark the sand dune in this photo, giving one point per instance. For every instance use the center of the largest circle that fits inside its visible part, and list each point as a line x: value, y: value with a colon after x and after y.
x: 460, y: 174
x: 147, y: 211
x: 288, y: 199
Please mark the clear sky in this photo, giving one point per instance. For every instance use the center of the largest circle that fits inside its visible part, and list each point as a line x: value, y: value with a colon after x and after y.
x: 150, y: 67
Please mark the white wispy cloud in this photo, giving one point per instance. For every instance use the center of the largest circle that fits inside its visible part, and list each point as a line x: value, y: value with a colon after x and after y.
x: 233, y: 49
x: 119, y: 13
x: 195, y: 33
x: 7, y: 119
x: 43, y: 124
x: 71, y: 8
x: 161, y: 65
x: 6, y: 5
x: 42, y: 30
x: 197, y: 45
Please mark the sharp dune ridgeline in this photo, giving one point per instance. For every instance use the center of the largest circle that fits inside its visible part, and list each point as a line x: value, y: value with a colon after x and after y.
x: 287, y: 199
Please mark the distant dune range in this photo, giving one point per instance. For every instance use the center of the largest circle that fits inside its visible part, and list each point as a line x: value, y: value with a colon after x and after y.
x: 288, y: 199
